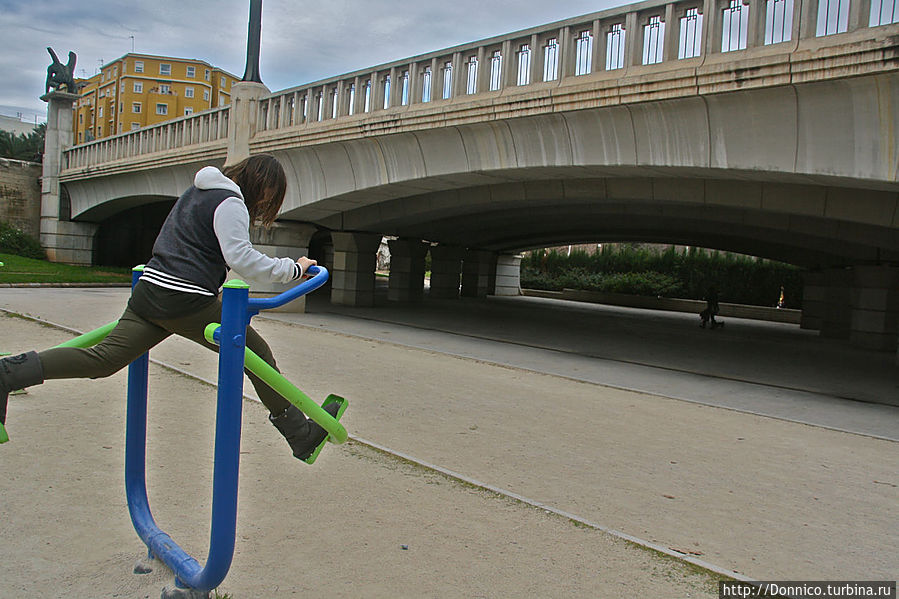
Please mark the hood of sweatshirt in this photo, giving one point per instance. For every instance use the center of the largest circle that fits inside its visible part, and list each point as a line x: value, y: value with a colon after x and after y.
x: 210, y: 177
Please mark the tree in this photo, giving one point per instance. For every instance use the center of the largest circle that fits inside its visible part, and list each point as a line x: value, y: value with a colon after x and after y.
x: 28, y: 147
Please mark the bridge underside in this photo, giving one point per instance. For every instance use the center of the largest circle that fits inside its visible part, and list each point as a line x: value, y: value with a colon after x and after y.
x: 806, y: 225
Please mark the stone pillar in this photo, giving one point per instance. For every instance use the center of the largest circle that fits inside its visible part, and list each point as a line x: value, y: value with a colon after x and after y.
x: 407, y: 270
x: 837, y: 296
x: 63, y: 240
x: 875, y: 308
x: 476, y: 273
x: 813, y: 293
x: 242, y: 124
x: 446, y: 269
x: 508, y: 274
x: 282, y: 240
x: 353, y: 276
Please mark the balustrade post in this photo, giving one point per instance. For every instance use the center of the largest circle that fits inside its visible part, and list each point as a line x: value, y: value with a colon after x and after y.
x: 596, y: 56
x: 633, y: 40
x: 414, y: 98
x: 755, y: 34
x: 509, y: 67
x: 482, y: 80
x: 458, y: 80
x: 859, y: 14
x: 672, y: 33
x: 711, y: 24
x: 435, y: 77
x: 807, y: 13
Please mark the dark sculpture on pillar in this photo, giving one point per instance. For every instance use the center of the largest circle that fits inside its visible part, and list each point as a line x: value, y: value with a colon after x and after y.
x: 61, y: 75
x: 253, y: 37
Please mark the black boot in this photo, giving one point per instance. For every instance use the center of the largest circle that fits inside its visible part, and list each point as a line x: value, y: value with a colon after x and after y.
x: 18, y: 372
x: 303, y: 434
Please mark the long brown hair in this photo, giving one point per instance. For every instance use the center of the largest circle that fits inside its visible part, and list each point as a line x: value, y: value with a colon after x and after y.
x: 263, y: 183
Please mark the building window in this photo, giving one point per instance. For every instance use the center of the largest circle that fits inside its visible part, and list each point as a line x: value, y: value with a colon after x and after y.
x: 206, y: 95
x: 221, y: 101
x: 121, y: 107
x: 583, y: 53
x: 115, y: 71
x: 615, y: 47
x: 191, y: 72
x: 224, y: 84
x: 188, y: 92
x: 386, y: 92
x: 833, y: 17
x: 165, y: 68
x: 551, y: 60
x: 405, y: 92
x: 426, y: 85
x: 165, y: 88
x: 206, y: 74
x: 367, y: 105
x: 471, y: 82
x: 496, y: 70
x: 80, y: 119
x: 99, y: 131
x: 188, y: 111
x: 122, y: 87
x: 779, y: 21
x: 524, y: 64
x: 135, y: 107
x: 351, y: 101
x: 100, y: 111
x: 653, y: 40
x: 135, y: 126
x: 736, y: 25
x: 138, y: 87
x: 162, y: 108
x: 138, y: 66
x: 447, y: 81
x: 884, y: 12
x: 335, y: 102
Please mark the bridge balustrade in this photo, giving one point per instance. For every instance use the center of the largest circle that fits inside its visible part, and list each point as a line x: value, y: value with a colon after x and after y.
x: 623, y: 46
x: 199, y: 128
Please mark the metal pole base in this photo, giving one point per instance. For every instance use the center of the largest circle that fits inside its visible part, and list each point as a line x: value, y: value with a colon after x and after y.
x: 173, y: 592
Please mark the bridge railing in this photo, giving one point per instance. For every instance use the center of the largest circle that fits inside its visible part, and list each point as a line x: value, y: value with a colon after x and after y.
x: 651, y: 50
x: 202, y: 127
x: 680, y: 33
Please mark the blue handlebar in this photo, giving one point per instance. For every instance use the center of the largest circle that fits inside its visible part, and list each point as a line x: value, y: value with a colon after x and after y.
x: 319, y: 277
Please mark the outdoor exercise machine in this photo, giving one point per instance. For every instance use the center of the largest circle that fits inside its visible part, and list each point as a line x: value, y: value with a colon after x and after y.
x: 191, y: 579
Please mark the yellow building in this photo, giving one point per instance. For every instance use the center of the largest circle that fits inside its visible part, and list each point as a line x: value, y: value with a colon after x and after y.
x: 138, y: 90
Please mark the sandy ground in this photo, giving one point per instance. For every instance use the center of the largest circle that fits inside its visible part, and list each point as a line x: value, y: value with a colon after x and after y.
x: 771, y: 499
x: 358, y: 523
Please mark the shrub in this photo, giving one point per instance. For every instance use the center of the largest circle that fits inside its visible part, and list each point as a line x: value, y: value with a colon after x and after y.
x: 669, y: 273
x: 14, y: 241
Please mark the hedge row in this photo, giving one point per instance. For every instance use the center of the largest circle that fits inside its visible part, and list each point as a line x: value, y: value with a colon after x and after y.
x: 14, y: 241
x: 670, y: 273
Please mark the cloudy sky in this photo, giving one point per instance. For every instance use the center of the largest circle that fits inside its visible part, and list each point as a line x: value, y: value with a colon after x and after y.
x: 301, y: 41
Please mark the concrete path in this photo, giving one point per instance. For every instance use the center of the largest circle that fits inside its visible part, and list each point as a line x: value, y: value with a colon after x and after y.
x: 768, y: 497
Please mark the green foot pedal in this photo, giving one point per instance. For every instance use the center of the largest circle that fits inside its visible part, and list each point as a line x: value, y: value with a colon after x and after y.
x: 331, y: 399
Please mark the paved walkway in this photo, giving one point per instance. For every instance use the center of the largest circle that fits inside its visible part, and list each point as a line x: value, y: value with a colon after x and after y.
x: 507, y: 393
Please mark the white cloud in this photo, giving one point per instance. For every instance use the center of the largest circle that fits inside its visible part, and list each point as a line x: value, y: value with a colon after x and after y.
x: 301, y: 42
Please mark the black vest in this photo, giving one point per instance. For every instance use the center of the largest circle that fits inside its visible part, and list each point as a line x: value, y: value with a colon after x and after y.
x: 187, y: 246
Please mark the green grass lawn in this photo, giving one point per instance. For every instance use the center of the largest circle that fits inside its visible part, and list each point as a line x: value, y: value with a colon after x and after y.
x: 17, y: 269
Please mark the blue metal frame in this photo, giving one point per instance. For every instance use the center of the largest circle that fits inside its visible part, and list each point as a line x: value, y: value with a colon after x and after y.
x: 237, y: 310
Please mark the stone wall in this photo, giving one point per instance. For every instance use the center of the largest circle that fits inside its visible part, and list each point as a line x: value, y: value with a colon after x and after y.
x: 20, y: 195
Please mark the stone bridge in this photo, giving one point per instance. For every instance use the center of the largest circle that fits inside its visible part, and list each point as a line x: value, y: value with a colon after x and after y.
x: 767, y: 127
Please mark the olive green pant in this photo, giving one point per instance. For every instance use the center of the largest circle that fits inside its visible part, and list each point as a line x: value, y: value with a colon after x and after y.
x: 134, y: 335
